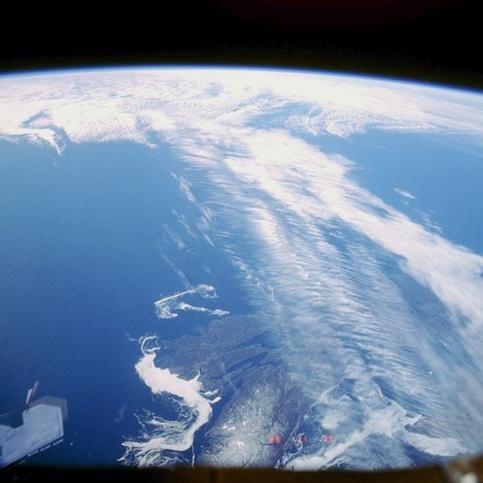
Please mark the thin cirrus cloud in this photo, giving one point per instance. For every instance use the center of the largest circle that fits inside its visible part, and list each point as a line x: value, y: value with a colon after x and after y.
x: 404, y: 194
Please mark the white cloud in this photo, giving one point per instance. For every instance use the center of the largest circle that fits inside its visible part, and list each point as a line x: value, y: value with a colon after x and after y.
x: 404, y: 194
x: 129, y: 105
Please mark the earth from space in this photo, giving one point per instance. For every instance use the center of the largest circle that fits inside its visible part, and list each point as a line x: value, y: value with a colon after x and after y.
x: 242, y: 267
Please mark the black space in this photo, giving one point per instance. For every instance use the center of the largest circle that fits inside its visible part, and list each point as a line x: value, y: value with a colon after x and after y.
x: 427, y: 40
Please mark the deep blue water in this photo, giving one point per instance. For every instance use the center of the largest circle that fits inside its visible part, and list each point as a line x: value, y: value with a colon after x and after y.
x: 81, y: 242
